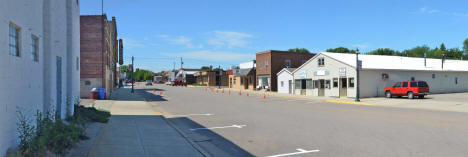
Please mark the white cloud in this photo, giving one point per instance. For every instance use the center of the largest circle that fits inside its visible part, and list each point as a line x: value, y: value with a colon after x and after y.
x: 207, y: 55
x: 428, y: 10
x: 180, y: 40
x: 229, y: 39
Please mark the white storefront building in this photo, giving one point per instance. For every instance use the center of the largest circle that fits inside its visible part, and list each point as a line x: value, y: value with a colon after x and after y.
x: 286, y: 80
x: 39, y: 61
x: 334, y: 74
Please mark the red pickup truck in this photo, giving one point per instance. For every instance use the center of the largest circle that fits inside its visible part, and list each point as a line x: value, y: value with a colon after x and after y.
x: 408, y: 88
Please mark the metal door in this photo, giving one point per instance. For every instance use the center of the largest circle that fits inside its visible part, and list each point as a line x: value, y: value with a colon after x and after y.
x: 59, y: 86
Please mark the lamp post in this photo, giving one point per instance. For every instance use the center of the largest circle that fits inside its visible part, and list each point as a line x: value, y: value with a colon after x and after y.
x: 133, y: 75
x: 357, y: 75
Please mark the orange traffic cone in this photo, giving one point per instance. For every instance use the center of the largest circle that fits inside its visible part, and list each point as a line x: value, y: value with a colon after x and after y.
x: 160, y: 93
x: 222, y: 91
x: 247, y: 94
x: 216, y: 90
x: 240, y: 93
x: 229, y: 92
x: 264, y: 96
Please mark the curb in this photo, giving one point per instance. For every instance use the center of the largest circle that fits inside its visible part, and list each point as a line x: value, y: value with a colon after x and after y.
x: 194, y: 144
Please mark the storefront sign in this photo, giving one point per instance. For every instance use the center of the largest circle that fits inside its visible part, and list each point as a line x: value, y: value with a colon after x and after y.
x: 302, y: 74
x: 321, y: 73
x: 343, y: 72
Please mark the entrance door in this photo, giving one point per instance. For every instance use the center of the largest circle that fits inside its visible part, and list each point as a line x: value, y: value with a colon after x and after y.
x: 343, y: 87
x: 321, y: 90
x: 303, y: 87
x: 246, y: 82
x: 290, y: 86
x: 59, y: 86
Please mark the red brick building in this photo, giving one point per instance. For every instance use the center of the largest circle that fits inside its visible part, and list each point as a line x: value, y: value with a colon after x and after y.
x: 270, y: 62
x: 99, y: 49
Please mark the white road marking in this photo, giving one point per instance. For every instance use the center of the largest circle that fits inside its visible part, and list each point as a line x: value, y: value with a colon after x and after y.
x: 188, y: 115
x: 292, y: 100
x: 221, y: 127
x: 299, y: 151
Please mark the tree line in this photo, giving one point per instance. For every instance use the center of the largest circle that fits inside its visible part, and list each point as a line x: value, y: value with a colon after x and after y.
x: 418, y: 51
x: 140, y: 75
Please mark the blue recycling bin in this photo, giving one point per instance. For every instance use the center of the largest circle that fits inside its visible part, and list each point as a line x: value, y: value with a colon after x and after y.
x: 102, y: 93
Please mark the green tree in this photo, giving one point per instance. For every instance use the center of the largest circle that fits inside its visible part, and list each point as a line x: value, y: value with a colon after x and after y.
x: 302, y: 50
x: 442, y: 47
x: 384, y: 51
x: 143, y: 75
x: 124, y: 68
x: 465, y: 45
x: 340, y: 50
x: 417, y: 51
x: 205, y: 68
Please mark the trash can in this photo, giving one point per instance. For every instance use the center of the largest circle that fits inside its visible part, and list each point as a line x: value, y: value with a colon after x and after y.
x: 102, y: 93
x: 94, y: 94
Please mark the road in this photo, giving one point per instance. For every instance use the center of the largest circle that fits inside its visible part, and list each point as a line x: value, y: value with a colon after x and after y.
x: 252, y: 126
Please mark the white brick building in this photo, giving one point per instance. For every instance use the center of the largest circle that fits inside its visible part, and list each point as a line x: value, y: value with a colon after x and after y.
x: 39, y: 61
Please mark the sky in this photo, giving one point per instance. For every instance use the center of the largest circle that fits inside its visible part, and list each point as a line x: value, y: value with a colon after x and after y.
x: 228, y: 32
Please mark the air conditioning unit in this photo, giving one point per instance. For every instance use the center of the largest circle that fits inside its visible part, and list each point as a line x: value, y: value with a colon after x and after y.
x: 384, y: 76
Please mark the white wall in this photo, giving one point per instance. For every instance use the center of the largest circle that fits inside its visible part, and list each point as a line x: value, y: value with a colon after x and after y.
x: 332, y: 67
x: 26, y: 85
x: 285, y: 77
x: 373, y: 85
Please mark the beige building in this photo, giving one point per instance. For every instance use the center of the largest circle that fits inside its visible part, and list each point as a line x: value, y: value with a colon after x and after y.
x: 334, y: 74
x: 242, y: 79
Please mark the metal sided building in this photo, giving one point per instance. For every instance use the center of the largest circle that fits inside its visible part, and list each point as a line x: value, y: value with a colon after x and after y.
x: 334, y: 74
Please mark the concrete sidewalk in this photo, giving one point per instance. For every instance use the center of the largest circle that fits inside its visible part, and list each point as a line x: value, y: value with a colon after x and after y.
x: 136, y: 128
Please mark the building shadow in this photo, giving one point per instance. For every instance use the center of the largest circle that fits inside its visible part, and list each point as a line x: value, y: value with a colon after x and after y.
x: 125, y: 94
x: 209, y: 141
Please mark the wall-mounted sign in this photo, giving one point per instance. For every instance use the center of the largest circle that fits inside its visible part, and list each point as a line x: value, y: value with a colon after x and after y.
x: 302, y: 74
x: 321, y: 73
x: 343, y: 72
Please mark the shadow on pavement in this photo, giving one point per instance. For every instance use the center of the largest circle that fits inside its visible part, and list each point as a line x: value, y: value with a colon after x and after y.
x: 209, y: 141
x: 124, y: 94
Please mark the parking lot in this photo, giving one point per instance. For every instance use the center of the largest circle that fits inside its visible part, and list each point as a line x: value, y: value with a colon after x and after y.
x: 240, y: 125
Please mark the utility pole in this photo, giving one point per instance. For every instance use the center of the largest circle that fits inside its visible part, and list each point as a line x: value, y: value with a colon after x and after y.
x: 181, y: 63
x: 357, y: 75
x: 133, y: 75
x: 220, y: 72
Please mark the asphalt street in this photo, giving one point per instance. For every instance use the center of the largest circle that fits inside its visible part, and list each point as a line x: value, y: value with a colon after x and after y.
x: 235, y: 125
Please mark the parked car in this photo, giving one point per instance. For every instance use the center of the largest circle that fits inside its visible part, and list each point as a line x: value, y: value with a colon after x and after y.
x: 131, y: 82
x: 408, y: 88
x: 178, y: 83
x: 149, y: 83
x: 168, y: 82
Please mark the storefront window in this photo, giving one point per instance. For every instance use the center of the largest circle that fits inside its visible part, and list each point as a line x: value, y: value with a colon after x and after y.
x: 327, y: 84
x: 309, y: 84
x: 351, y: 82
x: 297, y: 84
x: 335, y: 82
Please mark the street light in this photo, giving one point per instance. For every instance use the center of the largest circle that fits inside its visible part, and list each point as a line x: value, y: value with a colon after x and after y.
x: 357, y: 75
x: 133, y: 75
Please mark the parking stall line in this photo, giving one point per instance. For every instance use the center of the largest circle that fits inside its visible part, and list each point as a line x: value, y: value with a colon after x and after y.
x: 299, y: 151
x: 220, y: 127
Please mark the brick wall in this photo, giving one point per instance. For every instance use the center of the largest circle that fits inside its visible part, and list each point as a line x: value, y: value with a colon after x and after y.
x: 276, y: 62
x: 91, y: 47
